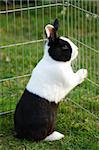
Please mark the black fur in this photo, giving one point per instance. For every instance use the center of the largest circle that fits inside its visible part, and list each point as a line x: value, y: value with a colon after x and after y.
x: 34, y: 117
x: 56, y: 24
x: 60, y: 50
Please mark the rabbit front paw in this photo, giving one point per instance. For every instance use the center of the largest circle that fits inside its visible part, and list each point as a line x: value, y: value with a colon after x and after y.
x: 82, y: 73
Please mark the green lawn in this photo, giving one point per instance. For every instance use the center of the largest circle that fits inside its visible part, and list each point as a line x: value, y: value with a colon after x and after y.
x: 81, y: 128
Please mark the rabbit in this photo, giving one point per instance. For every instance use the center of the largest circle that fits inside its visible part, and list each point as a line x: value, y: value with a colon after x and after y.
x: 51, y: 80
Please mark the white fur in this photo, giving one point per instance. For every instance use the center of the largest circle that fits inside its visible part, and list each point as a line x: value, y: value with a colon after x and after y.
x: 54, y: 136
x: 53, y: 80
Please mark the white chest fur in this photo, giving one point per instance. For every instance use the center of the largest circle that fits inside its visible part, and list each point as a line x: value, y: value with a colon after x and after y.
x: 50, y: 80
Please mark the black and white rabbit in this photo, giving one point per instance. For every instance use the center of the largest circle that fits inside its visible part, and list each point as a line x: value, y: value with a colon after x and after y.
x: 52, y: 79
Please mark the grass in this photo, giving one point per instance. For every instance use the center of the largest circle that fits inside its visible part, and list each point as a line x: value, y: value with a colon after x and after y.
x: 80, y: 128
x: 79, y: 134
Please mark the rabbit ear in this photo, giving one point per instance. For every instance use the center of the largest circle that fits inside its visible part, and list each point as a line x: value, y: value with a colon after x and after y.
x: 56, y: 24
x: 50, y: 31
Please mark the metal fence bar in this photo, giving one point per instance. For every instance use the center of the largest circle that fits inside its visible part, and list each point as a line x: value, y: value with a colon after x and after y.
x: 92, y: 82
x: 56, y: 8
x: 49, y: 10
x: 41, y: 40
x: 26, y: 75
x: 12, y: 78
x: 82, y: 27
x: 23, y: 43
x: 58, y: 4
x: 36, y: 37
x: 93, y: 49
x: 7, y: 112
x: 30, y: 8
x: 81, y: 9
x: 29, y: 30
x: 82, y: 108
x: 63, y: 19
x: 90, y: 61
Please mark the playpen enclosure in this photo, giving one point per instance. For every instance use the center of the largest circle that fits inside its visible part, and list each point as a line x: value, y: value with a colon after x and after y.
x: 22, y: 42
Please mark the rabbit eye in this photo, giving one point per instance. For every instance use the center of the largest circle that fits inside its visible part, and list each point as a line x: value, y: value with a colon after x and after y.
x: 65, y: 47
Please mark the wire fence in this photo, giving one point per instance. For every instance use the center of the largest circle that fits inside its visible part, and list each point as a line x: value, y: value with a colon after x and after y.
x: 21, y: 47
